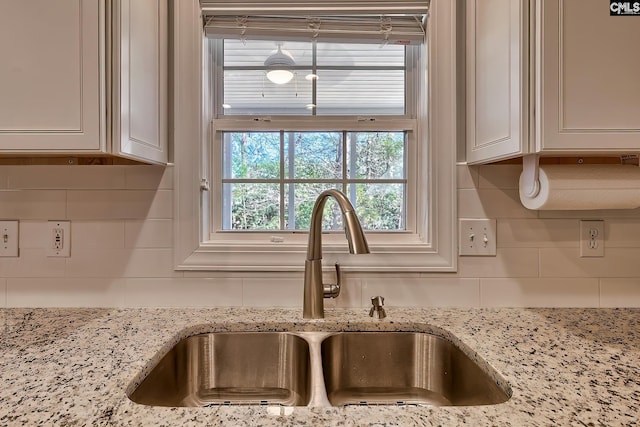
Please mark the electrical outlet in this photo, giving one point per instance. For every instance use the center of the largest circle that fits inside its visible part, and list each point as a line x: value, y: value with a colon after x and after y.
x: 8, y: 238
x: 477, y: 237
x: 591, y: 238
x: 59, y: 239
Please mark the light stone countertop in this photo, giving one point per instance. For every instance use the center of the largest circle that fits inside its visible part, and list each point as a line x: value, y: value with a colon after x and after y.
x: 564, y: 366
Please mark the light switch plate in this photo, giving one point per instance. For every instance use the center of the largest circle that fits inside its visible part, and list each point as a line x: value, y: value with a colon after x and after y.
x: 9, y: 239
x: 477, y: 237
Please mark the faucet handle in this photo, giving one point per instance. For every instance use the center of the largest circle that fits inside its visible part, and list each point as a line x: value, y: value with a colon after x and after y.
x: 332, y: 290
x: 377, y: 307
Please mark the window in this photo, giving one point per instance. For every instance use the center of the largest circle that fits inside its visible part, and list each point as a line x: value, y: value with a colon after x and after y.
x: 354, y: 113
x: 273, y: 170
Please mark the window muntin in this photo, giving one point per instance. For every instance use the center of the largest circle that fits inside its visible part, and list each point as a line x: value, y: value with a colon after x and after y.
x: 271, y: 179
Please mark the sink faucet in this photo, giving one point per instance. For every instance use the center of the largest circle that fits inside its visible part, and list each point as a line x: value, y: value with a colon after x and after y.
x: 314, y: 293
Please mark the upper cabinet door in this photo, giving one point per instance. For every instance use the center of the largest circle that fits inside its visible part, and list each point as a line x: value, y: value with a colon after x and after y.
x: 588, y: 85
x: 497, y: 79
x: 51, y: 76
x: 140, y: 82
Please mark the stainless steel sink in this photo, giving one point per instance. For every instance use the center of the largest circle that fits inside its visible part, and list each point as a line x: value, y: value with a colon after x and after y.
x: 406, y: 367
x: 318, y: 369
x: 230, y: 368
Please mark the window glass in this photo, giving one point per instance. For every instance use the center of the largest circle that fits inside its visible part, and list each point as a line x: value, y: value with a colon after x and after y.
x: 252, y: 155
x: 314, y: 155
x: 252, y: 206
x: 301, y: 197
x: 380, y: 206
x: 249, y: 92
x: 261, y: 192
x: 376, y: 155
x: 326, y: 78
x: 360, y: 55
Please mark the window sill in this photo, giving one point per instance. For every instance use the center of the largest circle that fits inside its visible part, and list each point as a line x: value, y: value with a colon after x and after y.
x: 406, y: 256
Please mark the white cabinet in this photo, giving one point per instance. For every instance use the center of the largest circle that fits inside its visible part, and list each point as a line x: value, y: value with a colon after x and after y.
x: 84, y: 77
x: 140, y: 79
x: 496, y: 79
x: 579, y: 94
x: 587, y: 78
x: 52, y: 74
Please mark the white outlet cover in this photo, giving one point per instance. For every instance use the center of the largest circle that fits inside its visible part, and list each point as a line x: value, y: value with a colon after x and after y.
x: 65, y: 239
x: 591, y: 238
x: 477, y: 237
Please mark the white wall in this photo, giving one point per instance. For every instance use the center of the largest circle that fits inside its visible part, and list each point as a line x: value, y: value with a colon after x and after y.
x: 121, y: 220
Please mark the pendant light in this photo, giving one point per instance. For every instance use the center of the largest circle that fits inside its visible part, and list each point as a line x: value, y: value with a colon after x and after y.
x: 279, y: 66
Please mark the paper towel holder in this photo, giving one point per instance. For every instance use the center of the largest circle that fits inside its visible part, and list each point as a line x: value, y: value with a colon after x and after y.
x: 530, y: 174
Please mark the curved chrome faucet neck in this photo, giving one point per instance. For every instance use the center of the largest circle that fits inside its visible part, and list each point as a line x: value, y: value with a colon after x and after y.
x: 313, y: 304
x: 352, y: 228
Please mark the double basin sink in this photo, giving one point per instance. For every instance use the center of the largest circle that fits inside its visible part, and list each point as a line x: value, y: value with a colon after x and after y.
x: 318, y: 369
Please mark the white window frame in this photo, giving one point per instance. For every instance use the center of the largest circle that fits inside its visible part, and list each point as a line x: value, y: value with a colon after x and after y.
x: 432, y: 248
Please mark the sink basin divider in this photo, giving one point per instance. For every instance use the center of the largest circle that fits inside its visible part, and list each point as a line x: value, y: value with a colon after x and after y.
x: 319, y: 396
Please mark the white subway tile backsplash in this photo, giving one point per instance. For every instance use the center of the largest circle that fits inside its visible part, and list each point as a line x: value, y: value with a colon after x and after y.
x: 121, y: 263
x: 149, y: 177
x: 490, y: 203
x: 123, y: 204
x: 548, y: 292
x: 65, y: 292
x: 272, y: 292
x: 150, y: 263
x: 622, y: 233
x: 181, y: 292
x: 97, y: 263
x: 350, y: 295
x: 33, y: 234
x: 467, y: 176
x: 566, y: 262
x: 538, y: 233
x: 122, y: 237
x: 66, y: 177
x: 511, y: 262
x: 500, y: 177
x: 33, y: 204
x: 32, y: 263
x: 4, y: 177
x: 423, y: 292
x: 3, y: 296
x: 150, y: 233
x: 620, y: 292
x: 97, y: 235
